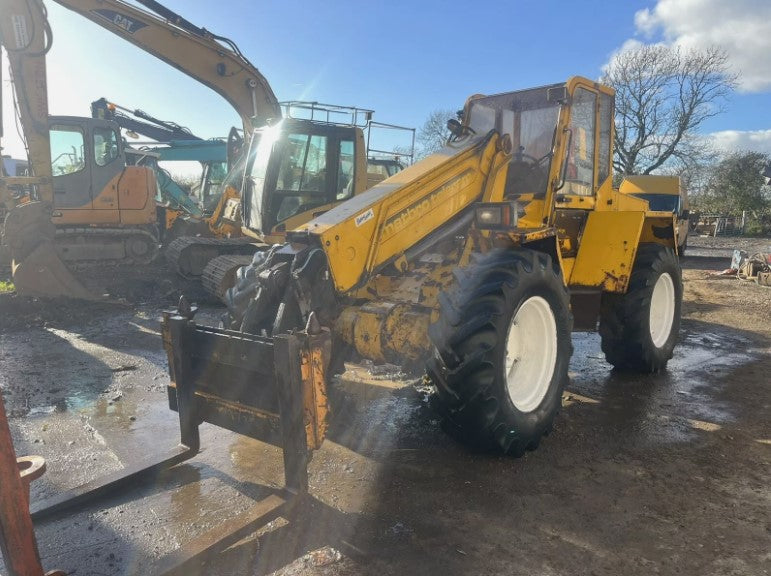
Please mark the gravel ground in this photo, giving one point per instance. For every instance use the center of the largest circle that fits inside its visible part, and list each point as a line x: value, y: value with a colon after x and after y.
x: 663, y: 474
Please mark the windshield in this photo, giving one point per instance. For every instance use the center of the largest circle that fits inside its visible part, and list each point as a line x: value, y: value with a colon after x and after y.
x: 260, y: 149
x: 297, y: 181
x: 306, y: 174
x: 530, y: 119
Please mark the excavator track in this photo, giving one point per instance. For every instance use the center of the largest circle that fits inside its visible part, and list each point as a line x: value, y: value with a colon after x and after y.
x: 220, y: 274
x: 188, y: 256
x: 87, y: 246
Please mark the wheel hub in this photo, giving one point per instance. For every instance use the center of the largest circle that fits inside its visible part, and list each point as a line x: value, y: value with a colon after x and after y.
x: 531, y: 354
x: 662, y: 311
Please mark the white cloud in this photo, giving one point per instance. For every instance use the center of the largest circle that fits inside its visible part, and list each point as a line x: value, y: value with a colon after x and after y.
x: 741, y: 27
x: 741, y: 141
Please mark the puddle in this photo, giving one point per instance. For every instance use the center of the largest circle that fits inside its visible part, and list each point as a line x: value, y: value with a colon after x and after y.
x: 674, y: 405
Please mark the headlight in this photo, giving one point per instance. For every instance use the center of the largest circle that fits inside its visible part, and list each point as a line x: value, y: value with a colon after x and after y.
x: 496, y: 215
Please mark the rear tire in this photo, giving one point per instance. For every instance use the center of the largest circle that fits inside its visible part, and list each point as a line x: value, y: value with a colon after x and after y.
x: 502, y: 347
x: 639, y: 329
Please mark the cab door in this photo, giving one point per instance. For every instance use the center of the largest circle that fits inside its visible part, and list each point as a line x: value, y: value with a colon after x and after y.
x: 107, y: 166
x: 87, y: 162
x: 70, y: 168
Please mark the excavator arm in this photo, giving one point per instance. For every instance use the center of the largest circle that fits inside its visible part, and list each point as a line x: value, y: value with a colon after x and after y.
x: 29, y: 233
x: 212, y: 60
x: 26, y: 38
x: 141, y: 122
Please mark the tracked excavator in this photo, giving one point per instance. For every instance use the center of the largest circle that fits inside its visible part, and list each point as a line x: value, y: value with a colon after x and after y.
x: 477, y: 262
x: 87, y: 205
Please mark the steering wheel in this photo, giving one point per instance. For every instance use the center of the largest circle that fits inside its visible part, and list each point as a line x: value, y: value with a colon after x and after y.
x: 536, y: 162
x: 527, y: 173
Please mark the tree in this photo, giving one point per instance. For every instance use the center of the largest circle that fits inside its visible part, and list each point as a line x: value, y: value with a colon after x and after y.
x: 434, y: 133
x: 736, y: 185
x: 663, y: 95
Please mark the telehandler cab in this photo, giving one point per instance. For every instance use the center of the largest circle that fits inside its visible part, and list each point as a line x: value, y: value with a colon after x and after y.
x: 478, y: 260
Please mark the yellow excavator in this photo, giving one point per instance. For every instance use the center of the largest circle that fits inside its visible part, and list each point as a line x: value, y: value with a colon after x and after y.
x: 87, y: 204
x: 320, y: 155
x: 478, y: 261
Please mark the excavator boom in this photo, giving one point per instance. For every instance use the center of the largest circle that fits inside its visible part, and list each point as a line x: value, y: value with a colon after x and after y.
x: 212, y: 60
x: 29, y: 232
x: 26, y: 37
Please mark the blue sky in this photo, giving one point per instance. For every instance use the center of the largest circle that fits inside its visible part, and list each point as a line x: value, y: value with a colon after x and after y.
x: 407, y: 58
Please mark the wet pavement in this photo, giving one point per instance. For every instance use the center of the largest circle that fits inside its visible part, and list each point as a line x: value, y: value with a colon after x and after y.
x: 642, y: 474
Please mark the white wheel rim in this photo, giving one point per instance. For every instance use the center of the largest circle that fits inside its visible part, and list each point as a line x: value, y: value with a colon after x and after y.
x: 662, y: 312
x: 531, y: 354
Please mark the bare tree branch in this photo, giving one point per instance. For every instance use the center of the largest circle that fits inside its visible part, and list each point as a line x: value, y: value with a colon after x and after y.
x: 434, y: 133
x: 663, y: 95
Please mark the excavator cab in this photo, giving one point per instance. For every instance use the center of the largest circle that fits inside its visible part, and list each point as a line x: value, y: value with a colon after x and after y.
x: 298, y: 170
x: 316, y: 157
x: 295, y: 169
x: 86, y: 154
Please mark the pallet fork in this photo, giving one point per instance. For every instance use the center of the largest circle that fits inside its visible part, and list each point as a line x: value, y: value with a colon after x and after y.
x: 269, y: 389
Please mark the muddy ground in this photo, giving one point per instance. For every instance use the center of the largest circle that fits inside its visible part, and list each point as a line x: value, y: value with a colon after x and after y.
x: 665, y: 474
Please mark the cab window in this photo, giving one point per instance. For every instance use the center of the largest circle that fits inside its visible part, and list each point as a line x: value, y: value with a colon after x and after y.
x: 606, y: 131
x: 580, y: 169
x: 304, y: 167
x: 67, y: 145
x: 105, y: 146
x: 302, y: 176
x: 345, y: 181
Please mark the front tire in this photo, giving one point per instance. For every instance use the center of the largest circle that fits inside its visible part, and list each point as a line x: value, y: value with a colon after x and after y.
x: 639, y: 329
x: 502, y: 347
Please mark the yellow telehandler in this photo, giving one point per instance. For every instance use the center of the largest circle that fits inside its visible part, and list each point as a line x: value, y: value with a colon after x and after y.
x: 478, y: 261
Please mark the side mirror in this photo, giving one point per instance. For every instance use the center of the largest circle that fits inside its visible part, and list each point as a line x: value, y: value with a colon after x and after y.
x: 685, y: 214
x: 455, y: 127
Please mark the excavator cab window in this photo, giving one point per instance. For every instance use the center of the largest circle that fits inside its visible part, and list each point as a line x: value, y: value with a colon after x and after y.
x: 67, y: 150
x: 345, y: 173
x: 302, y: 176
x: 105, y: 146
x: 294, y: 167
x: 213, y: 182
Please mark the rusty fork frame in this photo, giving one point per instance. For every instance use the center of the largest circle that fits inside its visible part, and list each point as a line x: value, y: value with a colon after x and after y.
x: 270, y: 389
x: 17, y: 535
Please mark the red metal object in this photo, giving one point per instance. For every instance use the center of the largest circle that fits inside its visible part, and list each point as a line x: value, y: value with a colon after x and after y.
x: 17, y: 536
